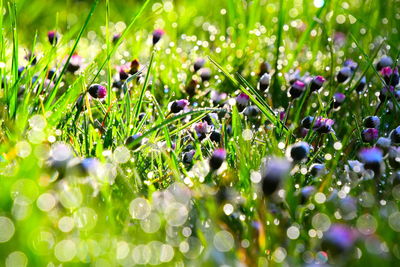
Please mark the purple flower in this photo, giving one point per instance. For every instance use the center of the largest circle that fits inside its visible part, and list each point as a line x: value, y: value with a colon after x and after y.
x: 264, y: 68
x: 339, y: 239
x: 217, y: 158
x: 272, y: 175
x: 242, y: 100
x: 351, y: 64
x: 306, y: 192
x: 386, y: 92
x: 395, y: 135
x: 307, y: 121
x: 178, y: 105
x: 338, y: 99
x: 97, y: 91
x: 383, y: 143
x: 372, y: 122
x: 134, y: 68
x: 188, y: 156
x: 316, y: 83
x: 75, y: 63
x: 317, y: 169
x: 344, y: 74
x: 299, y: 151
x: 157, y: 34
x: 198, y: 64
x: 323, y: 125
x: 217, y: 97
x: 297, y: 89
x: 385, y: 61
x: 201, y: 129
x: 360, y: 87
x: 369, y: 135
x: 251, y: 111
x: 264, y: 81
x: 205, y: 74
x: 52, y: 36
x: 391, y: 76
x: 116, y: 37
x: 372, y: 159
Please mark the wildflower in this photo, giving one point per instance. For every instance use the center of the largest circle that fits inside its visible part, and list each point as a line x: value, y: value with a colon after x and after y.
x: 215, y: 136
x: 273, y: 174
x: 123, y: 72
x: 217, y: 97
x: 188, y: 156
x: 371, y: 122
x: 52, y: 36
x: 97, y: 91
x: 178, y: 105
x: 251, y: 111
x: 338, y: 99
x: 293, y: 76
x: 299, y: 151
x: 20, y: 70
x: 391, y: 76
x: 31, y: 58
x: 264, y: 81
x: 134, y: 67
x: 383, y: 143
x: 339, y: 239
x: 201, y: 129
x: 317, y: 169
x: 131, y: 139
x: 297, y: 88
x: 52, y: 74
x: 116, y: 37
x: 85, y: 166
x: 190, y: 89
x: 217, y: 158
x: 387, y: 92
x: 157, y: 34
x: 385, y: 61
x: 316, y: 83
x: 306, y: 192
x: 372, y: 159
x: 198, y: 64
x: 369, y: 135
x: 242, y: 101
x: 205, y: 74
x: 394, y: 157
x: 344, y: 74
x: 307, y: 121
x: 264, y: 68
x: 323, y: 125
x: 395, y: 136
x: 360, y: 87
x: 350, y: 64
x: 75, y: 63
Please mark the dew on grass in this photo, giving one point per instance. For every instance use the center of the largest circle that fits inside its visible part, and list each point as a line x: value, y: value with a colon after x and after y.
x: 7, y: 229
x: 321, y: 221
x: 223, y: 241
x: 65, y: 250
x: 16, y: 258
x: 139, y: 208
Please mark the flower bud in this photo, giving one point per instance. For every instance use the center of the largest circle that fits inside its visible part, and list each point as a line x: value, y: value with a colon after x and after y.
x: 371, y: 122
x: 217, y: 158
x: 98, y: 91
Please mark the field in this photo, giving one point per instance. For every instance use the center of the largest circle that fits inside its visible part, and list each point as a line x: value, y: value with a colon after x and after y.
x: 199, y: 133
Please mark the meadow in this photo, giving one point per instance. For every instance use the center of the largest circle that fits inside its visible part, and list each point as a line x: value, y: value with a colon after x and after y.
x: 199, y: 133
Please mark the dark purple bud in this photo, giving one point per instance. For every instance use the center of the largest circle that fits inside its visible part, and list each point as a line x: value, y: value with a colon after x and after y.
x: 361, y: 86
x: 31, y: 58
x: 316, y: 83
x: 372, y: 122
x: 386, y: 92
x: 344, y: 74
x: 20, y: 70
x: 299, y: 151
x: 134, y: 66
x: 188, y: 157
x: 198, y: 64
x: 191, y: 87
x: 178, y: 105
x: 306, y: 193
x: 339, y: 239
x: 385, y: 61
x: 242, y: 101
x: 383, y: 143
x: 323, y: 125
x: 394, y: 157
x: 338, y: 99
x: 116, y: 37
x: 215, y: 137
x: 372, y: 159
x: 157, y: 34
x: 395, y: 136
x: 75, y: 63
x: 217, y: 158
x: 53, y: 37
x: 391, y: 76
x: 297, y: 88
x: 307, y: 122
x: 98, y: 91
x: 351, y: 64
x: 263, y: 84
x: 205, y: 74
x: 273, y: 174
x: 317, y: 169
x: 251, y: 111
x: 52, y: 74
x: 130, y: 141
x: 369, y: 135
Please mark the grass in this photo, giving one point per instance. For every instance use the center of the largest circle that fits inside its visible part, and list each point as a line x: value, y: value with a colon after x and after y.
x: 73, y: 192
